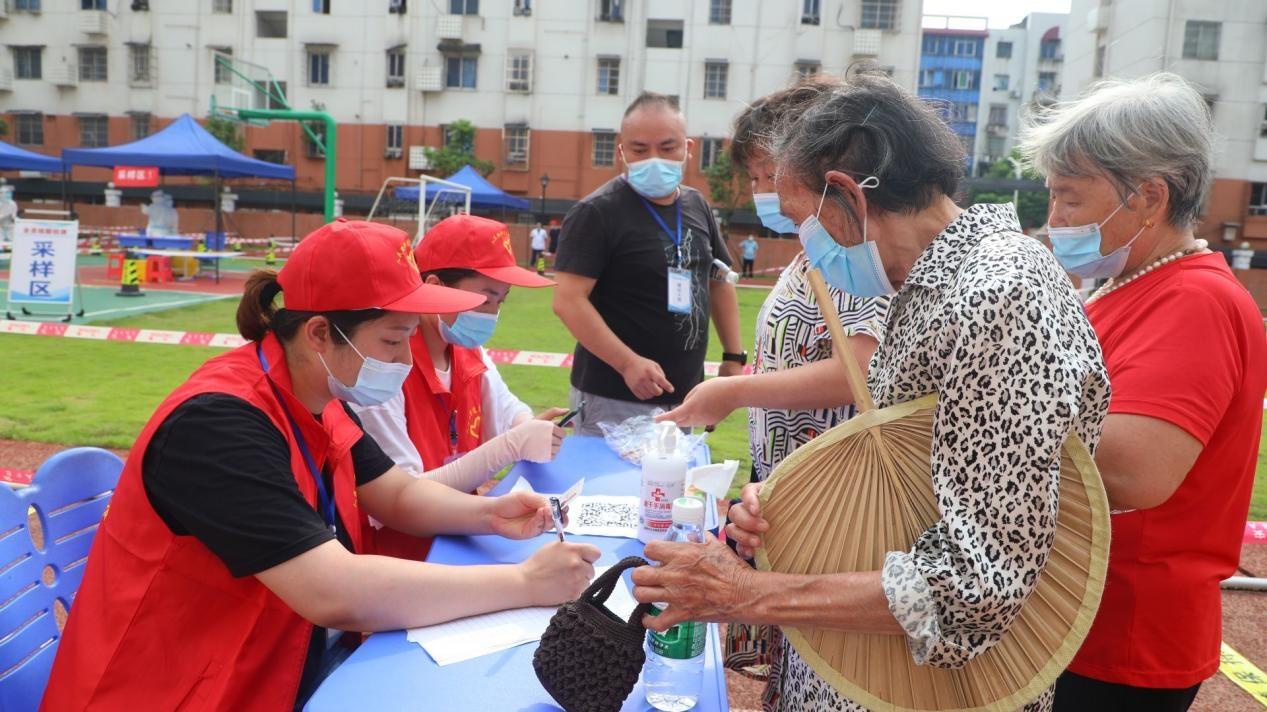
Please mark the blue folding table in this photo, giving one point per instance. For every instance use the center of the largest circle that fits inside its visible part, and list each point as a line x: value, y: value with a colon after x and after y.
x: 390, y: 673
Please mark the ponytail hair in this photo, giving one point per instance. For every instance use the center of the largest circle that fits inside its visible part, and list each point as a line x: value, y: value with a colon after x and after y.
x: 256, y: 311
x: 258, y: 314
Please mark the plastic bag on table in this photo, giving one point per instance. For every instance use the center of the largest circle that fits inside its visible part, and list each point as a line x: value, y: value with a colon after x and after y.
x: 634, y: 437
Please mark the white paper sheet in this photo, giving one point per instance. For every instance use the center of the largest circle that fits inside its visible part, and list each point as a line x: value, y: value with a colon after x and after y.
x: 476, y: 636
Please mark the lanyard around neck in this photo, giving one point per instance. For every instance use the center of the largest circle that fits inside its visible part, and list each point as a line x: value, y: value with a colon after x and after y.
x: 675, y: 236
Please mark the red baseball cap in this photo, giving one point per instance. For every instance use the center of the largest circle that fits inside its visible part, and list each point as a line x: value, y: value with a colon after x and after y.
x: 480, y: 244
x: 353, y: 264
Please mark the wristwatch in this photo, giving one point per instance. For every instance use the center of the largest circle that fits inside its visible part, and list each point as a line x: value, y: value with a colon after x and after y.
x: 740, y: 358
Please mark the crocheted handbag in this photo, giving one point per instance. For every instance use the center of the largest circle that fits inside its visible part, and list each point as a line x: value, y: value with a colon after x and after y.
x: 589, y: 659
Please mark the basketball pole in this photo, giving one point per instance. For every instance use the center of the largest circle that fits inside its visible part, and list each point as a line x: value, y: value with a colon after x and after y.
x: 330, y: 148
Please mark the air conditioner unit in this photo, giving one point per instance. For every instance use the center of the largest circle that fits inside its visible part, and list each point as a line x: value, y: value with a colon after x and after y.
x: 93, y: 22
x: 429, y: 78
x: 516, y: 157
x: 866, y: 43
x: 449, y: 27
x: 393, y: 153
x: 418, y: 158
x: 62, y: 74
x: 1098, y: 19
x: 1015, y: 93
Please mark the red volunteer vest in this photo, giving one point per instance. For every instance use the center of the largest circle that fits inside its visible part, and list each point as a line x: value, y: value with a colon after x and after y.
x: 159, y: 622
x: 431, y: 412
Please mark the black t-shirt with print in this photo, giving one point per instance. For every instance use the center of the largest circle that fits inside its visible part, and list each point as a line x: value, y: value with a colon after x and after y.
x: 612, y: 237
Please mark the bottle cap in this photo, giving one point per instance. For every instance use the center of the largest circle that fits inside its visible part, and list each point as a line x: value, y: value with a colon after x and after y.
x: 688, y: 510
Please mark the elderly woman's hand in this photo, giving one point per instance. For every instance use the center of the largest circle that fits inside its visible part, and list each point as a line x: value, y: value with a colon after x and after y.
x: 746, y: 525
x: 700, y: 582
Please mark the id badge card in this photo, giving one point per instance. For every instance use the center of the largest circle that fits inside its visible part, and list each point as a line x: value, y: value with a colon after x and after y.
x: 679, y: 290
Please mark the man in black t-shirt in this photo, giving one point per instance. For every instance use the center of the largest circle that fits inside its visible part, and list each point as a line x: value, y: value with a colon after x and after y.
x: 634, y: 268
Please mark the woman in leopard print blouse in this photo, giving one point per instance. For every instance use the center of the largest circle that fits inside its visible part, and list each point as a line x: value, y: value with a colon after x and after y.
x: 983, y: 316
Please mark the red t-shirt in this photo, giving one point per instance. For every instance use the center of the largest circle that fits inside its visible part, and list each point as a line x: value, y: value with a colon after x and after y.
x: 1184, y: 344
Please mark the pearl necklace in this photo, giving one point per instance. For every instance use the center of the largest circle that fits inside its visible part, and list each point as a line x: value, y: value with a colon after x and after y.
x: 1113, y: 285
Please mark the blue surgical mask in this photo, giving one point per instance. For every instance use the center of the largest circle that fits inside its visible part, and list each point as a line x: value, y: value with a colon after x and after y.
x: 376, y: 383
x: 1078, y: 249
x: 654, y: 177
x: 768, y: 209
x: 856, y: 270
x: 470, y: 329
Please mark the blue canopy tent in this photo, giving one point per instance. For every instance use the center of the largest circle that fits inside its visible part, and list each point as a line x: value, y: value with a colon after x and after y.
x: 13, y: 158
x: 483, y: 193
x: 183, y: 148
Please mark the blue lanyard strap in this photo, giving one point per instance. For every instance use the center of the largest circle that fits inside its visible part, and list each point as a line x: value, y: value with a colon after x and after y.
x: 676, y: 237
x: 324, y: 501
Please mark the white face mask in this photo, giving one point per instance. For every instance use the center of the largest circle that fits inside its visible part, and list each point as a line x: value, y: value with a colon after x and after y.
x: 376, y: 383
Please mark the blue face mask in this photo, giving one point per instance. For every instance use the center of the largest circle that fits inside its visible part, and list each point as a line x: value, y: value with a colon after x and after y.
x: 470, y: 329
x: 376, y: 383
x: 1078, y: 249
x: 767, y: 206
x: 856, y: 270
x: 654, y: 178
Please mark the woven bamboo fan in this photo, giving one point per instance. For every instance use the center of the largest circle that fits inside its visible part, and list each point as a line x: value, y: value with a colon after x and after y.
x: 863, y: 489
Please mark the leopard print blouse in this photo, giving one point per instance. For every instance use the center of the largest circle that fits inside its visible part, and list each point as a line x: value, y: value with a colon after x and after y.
x: 987, y: 319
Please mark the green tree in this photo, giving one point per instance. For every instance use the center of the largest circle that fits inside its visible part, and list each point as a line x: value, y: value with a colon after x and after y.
x: 1033, y: 203
x: 226, y: 132
x: 726, y: 186
x: 458, y: 151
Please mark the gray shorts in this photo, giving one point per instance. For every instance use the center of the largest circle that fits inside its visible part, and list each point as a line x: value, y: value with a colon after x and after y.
x: 607, y: 410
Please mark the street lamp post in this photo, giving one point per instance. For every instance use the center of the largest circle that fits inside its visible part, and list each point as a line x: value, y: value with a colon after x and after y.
x: 1016, y: 172
x: 545, y: 181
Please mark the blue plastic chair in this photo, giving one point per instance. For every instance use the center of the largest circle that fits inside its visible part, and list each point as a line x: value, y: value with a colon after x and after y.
x: 68, y: 495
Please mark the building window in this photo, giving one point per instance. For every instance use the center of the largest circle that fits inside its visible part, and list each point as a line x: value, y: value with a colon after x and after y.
x: 222, y: 7
x: 141, y: 71
x: 611, y: 10
x: 609, y: 75
x: 460, y: 72
x: 523, y: 8
x: 1049, y: 49
x: 321, y: 7
x: 92, y: 64
x: 880, y: 14
x: 140, y: 126
x: 931, y: 45
x: 92, y: 4
x: 94, y: 131
x: 396, y: 67
x: 1262, y: 126
x: 271, y: 155
x: 318, y: 67
x: 315, y: 149
x: 965, y: 48
x: 519, y: 72
x: 956, y: 111
x: 998, y: 114
x: 665, y: 34
x: 811, y: 12
x: 1001, y: 82
x: 963, y: 80
x: 931, y: 78
x: 464, y: 7
x: 715, y: 78
x: 395, y: 140
x: 277, y: 95
x: 397, y: 7
x: 515, y: 139
x: 719, y: 12
x: 27, y: 5
x: 604, y: 148
x: 270, y: 24
x: 28, y: 62
x: 30, y: 129
x: 1258, y: 198
x: 1201, y: 39
x: 709, y: 150
x: 1047, y: 82
x: 807, y: 68
x: 1003, y: 50
x: 994, y: 146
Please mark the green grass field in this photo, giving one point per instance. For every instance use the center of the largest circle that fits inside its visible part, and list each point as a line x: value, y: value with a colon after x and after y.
x: 81, y: 392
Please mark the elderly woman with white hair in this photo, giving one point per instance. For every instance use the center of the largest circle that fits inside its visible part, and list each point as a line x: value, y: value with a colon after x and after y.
x: 1129, y: 170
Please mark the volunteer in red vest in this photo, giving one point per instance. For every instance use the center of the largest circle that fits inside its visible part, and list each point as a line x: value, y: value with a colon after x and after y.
x: 228, y: 562
x: 1129, y: 167
x: 455, y: 421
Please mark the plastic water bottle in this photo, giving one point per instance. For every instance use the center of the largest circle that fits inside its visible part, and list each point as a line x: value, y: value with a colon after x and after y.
x: 674, y: 672
x: 663, y: 480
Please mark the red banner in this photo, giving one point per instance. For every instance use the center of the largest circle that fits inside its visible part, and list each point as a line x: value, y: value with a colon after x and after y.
x: 135, y: 176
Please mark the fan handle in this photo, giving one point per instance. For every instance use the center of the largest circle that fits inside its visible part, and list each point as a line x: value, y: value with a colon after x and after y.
x: 853, y: 373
